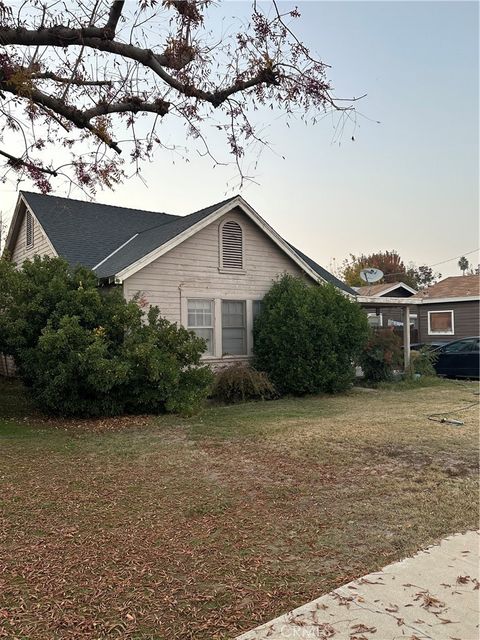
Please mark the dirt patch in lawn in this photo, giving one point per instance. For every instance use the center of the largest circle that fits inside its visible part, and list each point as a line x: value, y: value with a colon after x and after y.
x: 203, y: 528
x: 460, y: 463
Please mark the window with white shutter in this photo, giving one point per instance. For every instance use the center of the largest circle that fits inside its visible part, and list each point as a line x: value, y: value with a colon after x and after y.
x: 29, y: 230
x: 231, y: 246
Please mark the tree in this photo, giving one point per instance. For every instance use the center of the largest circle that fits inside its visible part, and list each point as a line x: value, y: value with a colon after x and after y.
x: 82, y: 75
x: 463, y: 264
x: 387, y: 261
x: 422, y: 276
x: 393, y: 268
x: 306, y: 337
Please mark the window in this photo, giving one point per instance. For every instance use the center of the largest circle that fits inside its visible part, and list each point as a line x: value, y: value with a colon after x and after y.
x: 234, y: 327
x: 200, y: 321
x: 462, y: 346
x: 256, y: 308
x: 440, y: 323
x: 375, y: 320
x: 29, y: 230
x: 231, y: 245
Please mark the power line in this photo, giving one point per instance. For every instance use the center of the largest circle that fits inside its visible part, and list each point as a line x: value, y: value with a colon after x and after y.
x: 455, y: 258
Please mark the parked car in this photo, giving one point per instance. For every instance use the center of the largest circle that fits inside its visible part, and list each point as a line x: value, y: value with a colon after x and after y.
x: 416, y: 346
x: 459, y: 359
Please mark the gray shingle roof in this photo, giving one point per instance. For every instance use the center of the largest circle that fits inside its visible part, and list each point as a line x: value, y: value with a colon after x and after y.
x: 111, y: 238
x: 323, y: 273
x: 85, y: 232
x: 147, y: 241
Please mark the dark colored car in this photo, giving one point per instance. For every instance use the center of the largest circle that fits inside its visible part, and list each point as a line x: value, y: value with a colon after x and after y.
x: 459, y: 359
x: 416, y: 346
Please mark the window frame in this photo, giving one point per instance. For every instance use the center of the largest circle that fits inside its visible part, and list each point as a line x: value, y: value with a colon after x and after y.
x: 207, y: 353
x: 221, y: 267
x: 441, y: 333
x: 226, y: 354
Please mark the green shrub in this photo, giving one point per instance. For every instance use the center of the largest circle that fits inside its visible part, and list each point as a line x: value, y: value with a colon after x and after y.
x: 10, y: 282
x: 307, y: 337
x: 241, y: 382
x: 422, y: 362
x: 86, y: 351
x: 381, y: 356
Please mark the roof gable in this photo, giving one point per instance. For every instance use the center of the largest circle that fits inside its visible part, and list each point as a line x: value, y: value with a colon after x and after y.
x: 117, y: 241
x: 392, y: 289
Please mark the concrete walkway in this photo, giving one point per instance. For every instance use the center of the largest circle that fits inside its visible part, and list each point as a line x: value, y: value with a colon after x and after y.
x: 432, y: 596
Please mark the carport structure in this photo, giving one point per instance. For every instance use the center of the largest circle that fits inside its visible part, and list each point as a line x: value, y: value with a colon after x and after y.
x: 376, y: 304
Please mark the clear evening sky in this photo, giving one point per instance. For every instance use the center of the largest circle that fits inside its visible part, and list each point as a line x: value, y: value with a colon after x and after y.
x: 409, y: 183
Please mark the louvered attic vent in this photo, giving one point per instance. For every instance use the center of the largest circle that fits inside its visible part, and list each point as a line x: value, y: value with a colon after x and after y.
x: 232, y: 245
x: 29, y: 230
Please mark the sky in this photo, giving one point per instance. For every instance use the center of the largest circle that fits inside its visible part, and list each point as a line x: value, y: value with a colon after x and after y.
x: 409, y: 179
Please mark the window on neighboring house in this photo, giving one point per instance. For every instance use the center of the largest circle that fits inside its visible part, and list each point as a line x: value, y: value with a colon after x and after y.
x: 441, y: 323
x: 200, y: 321
x: 231, y: 245
x: 29, y: 230
x: 375, y: 320
x: 234, y: 327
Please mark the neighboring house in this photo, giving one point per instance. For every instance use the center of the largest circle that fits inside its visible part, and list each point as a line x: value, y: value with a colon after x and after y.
x: 208, y: 270
x: 384, y: 317
x: 449, y: 310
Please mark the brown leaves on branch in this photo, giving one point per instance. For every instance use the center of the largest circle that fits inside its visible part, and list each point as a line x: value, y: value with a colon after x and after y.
x: 75, y: 69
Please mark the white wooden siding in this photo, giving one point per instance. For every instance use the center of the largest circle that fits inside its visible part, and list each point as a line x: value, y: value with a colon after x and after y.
x: 192, y: 270
x: 40, y: 244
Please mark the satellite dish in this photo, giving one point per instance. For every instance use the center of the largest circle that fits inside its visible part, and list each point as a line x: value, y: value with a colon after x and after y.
x: 370, y: 274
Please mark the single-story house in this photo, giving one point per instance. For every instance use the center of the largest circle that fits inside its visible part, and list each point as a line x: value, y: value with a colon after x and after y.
x: 449, y: 310
x: 208, y: 270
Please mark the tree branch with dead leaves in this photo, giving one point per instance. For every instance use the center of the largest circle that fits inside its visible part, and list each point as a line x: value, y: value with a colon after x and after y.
x: 84, y: 76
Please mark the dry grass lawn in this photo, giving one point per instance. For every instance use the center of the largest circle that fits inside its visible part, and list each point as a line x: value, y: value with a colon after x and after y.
x: 169, y: 528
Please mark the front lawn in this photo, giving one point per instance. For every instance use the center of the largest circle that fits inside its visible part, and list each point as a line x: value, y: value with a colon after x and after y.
x: 166, y: 528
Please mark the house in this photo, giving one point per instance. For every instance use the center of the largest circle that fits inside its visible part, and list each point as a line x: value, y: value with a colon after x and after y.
x: 208, y: 270
x: 383, y: 317
x: 446, y: 311
x: 449, y: 310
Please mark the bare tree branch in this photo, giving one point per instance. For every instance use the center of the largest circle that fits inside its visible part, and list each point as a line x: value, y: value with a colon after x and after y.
x: 48, y: 75
x: 21, y: 162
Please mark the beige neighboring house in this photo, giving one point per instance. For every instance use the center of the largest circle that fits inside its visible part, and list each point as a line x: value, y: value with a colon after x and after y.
x: 208, y: 270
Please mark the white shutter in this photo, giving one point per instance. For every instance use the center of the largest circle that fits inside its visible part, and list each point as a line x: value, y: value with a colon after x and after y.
x: 232, y: 245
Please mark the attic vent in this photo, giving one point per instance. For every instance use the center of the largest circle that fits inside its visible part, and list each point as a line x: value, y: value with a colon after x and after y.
x: 232, y: 245
x: 29, y: 230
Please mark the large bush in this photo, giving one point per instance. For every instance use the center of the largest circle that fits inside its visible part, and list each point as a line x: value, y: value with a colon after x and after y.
x: 84, y: 350
x: 381, y: 356
x: 307, y: 337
